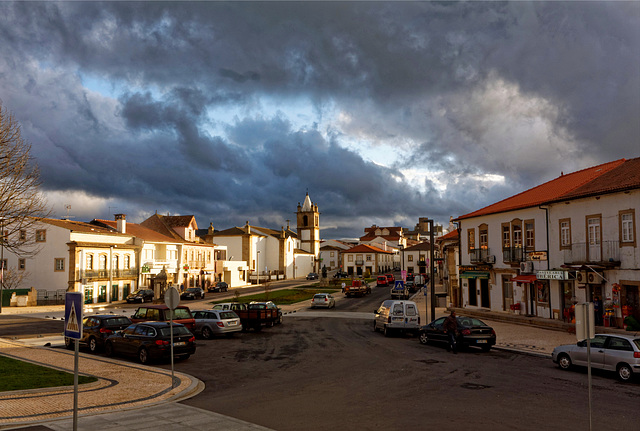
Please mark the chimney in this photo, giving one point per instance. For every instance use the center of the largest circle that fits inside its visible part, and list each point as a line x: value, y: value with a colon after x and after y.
x: 247, y: 227
x: 210, y: 230
x: 121, y: 223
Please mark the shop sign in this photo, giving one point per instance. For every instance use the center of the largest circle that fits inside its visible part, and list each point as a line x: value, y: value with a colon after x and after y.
x: 537, y: 255
x: 463, y: 268
x: 552, y: 275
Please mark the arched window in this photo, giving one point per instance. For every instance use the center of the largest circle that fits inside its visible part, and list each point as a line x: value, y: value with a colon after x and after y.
x: 305, y: 220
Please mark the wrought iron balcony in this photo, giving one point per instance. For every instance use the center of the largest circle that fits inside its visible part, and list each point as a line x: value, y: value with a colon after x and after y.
x: 480, y: 255
x: 512, y: 254
x: 608, y: 252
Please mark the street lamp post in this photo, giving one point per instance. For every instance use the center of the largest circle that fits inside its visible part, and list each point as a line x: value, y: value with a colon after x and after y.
x: 258, y: 267
x: 431, y: 272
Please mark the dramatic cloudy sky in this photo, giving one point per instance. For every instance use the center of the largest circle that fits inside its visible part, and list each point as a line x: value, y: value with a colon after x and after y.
x: 383, y: 111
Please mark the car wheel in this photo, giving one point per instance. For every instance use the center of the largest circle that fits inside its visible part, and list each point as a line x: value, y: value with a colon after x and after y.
x: 206, y: 333
x: 375, y: 327
x: 564, y: 361
x: 93, y: 345
x: 280, y: 319
x: 68, y: 343
x: 386, y: 331
x: 624, y: 372
x: 486, y: 348
x: 108, y: 349
x: 143, y: 356
x: 423, y: 338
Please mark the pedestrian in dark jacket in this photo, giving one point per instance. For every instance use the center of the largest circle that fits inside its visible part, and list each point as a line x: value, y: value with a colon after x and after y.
x: 450, y: 325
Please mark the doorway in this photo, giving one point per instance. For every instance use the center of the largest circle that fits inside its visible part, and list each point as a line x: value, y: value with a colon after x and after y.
x: 473, y: 295
x: 531, y: 303
x: 485, y: 301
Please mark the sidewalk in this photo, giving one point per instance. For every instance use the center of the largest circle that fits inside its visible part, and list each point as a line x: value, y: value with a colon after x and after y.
x: 126, y: 396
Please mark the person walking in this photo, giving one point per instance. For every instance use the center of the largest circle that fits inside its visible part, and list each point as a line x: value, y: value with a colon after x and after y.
x: 450, y: 325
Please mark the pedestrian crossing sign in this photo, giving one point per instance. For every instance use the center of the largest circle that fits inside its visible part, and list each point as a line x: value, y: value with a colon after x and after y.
x: 73, y: 315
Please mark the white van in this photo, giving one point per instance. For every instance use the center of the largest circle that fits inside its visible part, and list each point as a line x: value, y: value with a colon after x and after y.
x: 398, y: 316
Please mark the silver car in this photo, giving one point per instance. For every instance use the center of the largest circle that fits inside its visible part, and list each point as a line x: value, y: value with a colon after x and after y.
x: 612, y: 352
x: 323, y: 300
x: 216, y: 322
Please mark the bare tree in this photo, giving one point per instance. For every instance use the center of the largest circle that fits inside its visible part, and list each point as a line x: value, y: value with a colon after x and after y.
x: 21, y: 202
x: 12, y: 278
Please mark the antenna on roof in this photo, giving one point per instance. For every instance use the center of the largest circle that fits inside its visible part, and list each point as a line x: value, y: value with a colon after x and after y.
x: 67, y: 217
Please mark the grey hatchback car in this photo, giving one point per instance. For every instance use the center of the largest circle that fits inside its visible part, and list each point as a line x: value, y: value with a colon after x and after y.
x: 611, y: 352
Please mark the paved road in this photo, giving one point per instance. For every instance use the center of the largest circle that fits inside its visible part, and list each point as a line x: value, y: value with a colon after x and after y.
x: 318, y: 373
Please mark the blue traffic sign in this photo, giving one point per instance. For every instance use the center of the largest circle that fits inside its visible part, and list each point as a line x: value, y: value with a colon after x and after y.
x: 73, y: 315
x: 399, y: 284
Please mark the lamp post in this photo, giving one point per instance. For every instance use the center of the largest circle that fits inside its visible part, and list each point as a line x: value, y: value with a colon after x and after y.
x: 258, y: 267
x: 431, y: 272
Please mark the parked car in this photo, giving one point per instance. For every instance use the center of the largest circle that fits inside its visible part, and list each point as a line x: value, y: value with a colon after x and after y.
x: 193, y: 293
x: 312, y: 276
x: 390, y: 279
x: 471, y: 332
x: 611, y: 352
x: 255, y: 314
x: 148, y: 341
x: 160, y: 312
x: 140, y: 295
x: 340, y: 274
x: 382, y: 281
x: 96, y: 329
x: 220, y: 286
x: 396, y: 316
x: 411, y: 286
x: 216, y: 322
x: 323, y: 300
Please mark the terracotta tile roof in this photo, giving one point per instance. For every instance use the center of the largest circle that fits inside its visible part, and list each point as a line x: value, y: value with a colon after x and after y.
x: 157, y: 223
x: 365, y: 248
x: 623, y: 177
x: 78, y: 226
x: 138, y: 231
x: 547, y: 192
x: 426, y: 245
x: 453, y: 235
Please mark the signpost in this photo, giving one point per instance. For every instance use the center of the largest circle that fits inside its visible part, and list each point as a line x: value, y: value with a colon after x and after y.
x: 585, y: 329
x: 73, y: 302
x: 172, y: 300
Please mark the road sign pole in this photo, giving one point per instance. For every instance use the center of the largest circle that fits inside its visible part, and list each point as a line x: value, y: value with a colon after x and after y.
x: 172, y: 299
x: 75, y: 385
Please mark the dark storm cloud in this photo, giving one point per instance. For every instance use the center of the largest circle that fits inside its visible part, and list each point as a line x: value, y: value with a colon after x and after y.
x: 472, y: 90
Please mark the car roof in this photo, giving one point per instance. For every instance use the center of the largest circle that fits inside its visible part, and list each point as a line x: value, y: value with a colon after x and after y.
x: 161, y: 306
x: 629, y: 337
x: 156, y: 323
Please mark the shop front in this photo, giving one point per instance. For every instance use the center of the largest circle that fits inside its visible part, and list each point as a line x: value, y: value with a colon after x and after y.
x: 475, y: 286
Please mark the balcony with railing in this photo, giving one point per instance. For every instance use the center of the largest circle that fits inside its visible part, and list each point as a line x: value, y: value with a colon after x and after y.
x: 101, y: 274
x: 359, y: 262
x: 480, y: 255
x: 607, y: 252
x: 512, y: 254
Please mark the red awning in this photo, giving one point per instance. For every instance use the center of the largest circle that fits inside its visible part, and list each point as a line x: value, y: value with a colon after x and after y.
x: 524, y: 278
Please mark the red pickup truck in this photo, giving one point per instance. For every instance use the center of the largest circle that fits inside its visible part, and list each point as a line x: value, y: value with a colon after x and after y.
x: 255, y: 314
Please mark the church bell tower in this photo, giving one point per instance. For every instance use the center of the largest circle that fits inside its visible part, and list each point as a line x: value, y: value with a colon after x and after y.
x: 308, y: 218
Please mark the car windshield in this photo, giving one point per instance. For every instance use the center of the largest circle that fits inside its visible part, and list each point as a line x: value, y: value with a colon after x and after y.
x: 319, y: 296
x: 182, y: 313
x: 228, y: 315
x: 470, y: 321
x: 137, y: 292
x: 117, y: 321
x: 192, y: 289
x: 177, y: 330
